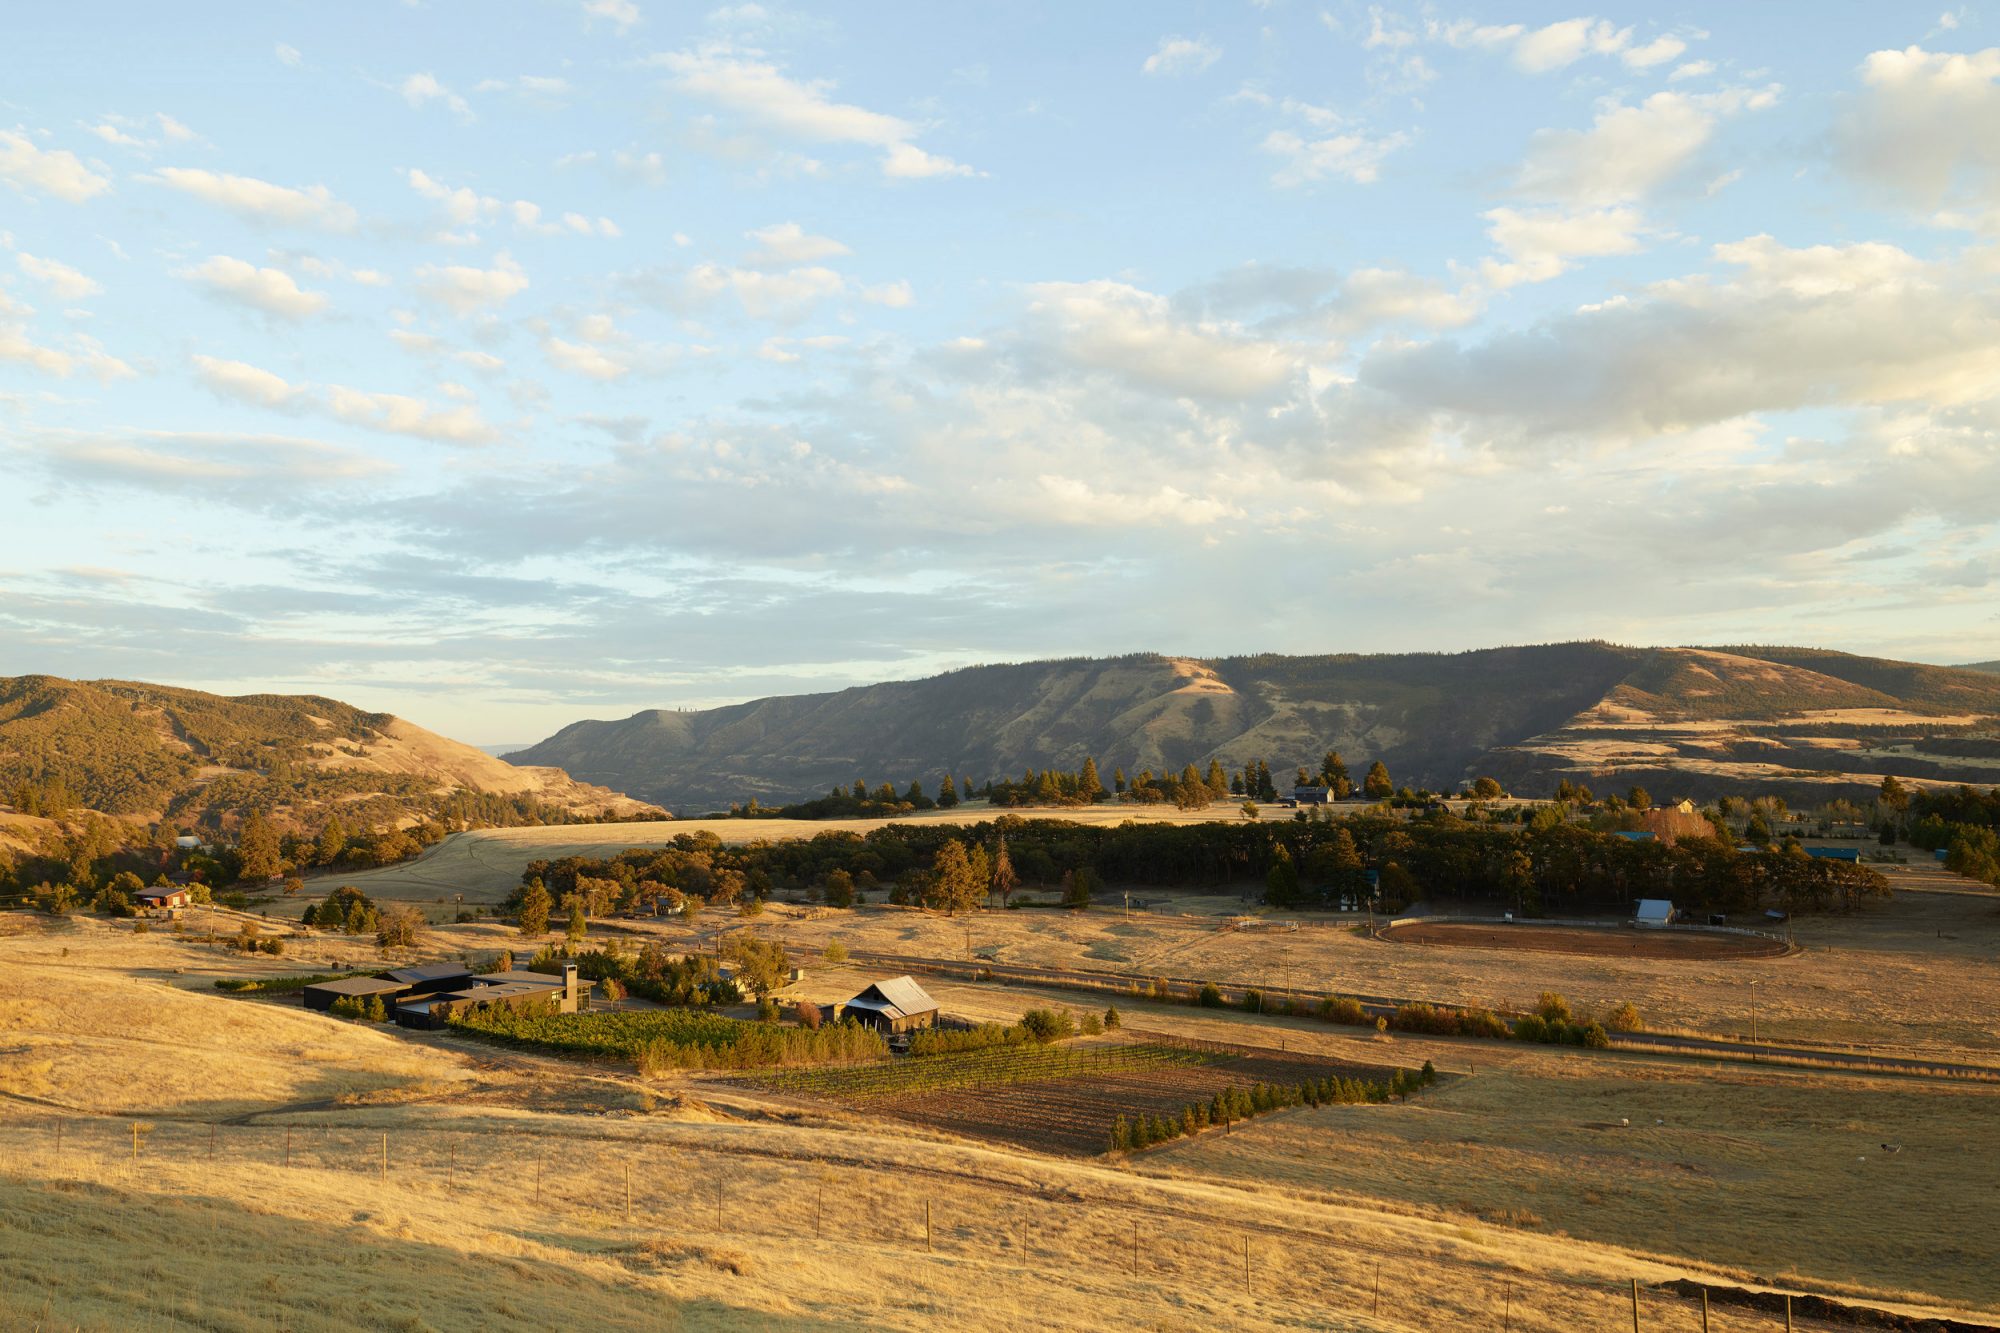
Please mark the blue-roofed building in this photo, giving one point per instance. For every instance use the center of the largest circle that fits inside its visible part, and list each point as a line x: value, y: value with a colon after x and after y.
x: 1636, y: 835
x: 1835, y: 853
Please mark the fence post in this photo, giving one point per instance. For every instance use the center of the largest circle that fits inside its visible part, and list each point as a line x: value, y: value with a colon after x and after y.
x: 1704, y: 1310
x: 819, y: 1205
x: 1788, y: 1312
x: 1635, y: 1305
x: 1507, y: 1311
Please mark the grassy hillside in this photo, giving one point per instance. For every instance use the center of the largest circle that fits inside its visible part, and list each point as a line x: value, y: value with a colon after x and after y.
x: 152, y: 753
x: 1686, y: 719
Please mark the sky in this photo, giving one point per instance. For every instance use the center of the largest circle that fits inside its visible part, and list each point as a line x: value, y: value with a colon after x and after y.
x: 500, y: 365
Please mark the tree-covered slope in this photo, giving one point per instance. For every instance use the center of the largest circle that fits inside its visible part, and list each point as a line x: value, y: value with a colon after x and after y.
x: 155, y: 752
x: 1589, y: 711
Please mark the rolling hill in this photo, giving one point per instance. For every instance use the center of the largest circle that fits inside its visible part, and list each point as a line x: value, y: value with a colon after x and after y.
x: 1685, y: 720
x: 151, y: 752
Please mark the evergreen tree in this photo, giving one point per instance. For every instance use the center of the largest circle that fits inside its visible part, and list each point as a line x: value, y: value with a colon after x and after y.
x: 1216, y: 780
x: 860, y: 790
x: 1004, y: 880
x: 947, y: 796
x: 259, y: 848
x: 951, y: 886
x: 1377, y: 786
x: 915, y: 797
x: 1333, y: 774
x: 578, y: 924
x: 1087, y: 784
x: 535, y: 906
x: 332, y: 842
x: 1266, y: 789
x: 965, y: 788
x: 1118, y: 780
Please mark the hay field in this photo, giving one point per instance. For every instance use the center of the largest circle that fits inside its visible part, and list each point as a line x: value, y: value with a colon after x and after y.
x: 503, y: 1200
x: 1914, y: 974
x: 503, y: 1203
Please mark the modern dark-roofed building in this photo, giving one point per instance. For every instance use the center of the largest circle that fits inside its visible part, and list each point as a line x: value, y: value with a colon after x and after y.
x: 514, y: 990
x: 896, y: 1005
x: 395, y: 986
x: 321, y: 995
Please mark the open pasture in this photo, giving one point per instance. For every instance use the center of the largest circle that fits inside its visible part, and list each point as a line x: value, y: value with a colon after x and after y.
x: 1586, y: 942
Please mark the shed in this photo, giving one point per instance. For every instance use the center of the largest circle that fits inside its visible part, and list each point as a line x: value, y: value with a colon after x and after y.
x: 169, y: 899
x: 1654, y: 912
x: 896, y: 1005
x: 1312, y: 795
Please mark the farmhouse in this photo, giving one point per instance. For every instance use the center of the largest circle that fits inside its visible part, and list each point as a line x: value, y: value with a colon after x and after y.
x: 527, y: 991
x: 896, y: 1005
x: 427, y: 996
x: 1654, y: 912
x: 1311, y: 795
x: 167, y: 900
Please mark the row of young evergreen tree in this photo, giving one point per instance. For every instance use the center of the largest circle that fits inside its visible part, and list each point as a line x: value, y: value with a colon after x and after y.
x: 1229, y: 1105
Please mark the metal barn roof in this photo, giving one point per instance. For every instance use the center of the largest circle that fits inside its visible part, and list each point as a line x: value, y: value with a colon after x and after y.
x: 902, y: 995
x: 1655, y: 909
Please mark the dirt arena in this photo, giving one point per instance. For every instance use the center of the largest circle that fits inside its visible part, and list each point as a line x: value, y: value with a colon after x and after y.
x: 1609, y: 942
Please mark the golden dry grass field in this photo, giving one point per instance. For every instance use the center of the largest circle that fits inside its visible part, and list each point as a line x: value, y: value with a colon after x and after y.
x: 1503, y: 1195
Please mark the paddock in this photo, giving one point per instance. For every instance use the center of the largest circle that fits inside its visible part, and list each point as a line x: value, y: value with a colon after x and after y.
x: 1694, y: 945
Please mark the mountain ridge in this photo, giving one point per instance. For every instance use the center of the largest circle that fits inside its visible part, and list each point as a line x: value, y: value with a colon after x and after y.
x: 1700, y: 719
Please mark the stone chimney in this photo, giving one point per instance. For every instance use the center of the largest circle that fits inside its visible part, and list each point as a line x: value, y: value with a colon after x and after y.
x: 569, y: 987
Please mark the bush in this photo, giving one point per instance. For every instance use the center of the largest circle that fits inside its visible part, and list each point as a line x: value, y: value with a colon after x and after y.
x: 946, y: 1041
x: 835, y: 952
x: 1625, y: 1018
x: 1091, y: 1025
x: 1530, y: 1027
x: 767, y: 1010
x: 661, y: 1039
x: 1553, y: 1008
x: 1111, y: 1019
x: 1047, y: 1025
x: 1209, y: 997
x: 807, y: 1015
x: 1253, y: 1000
x: 1343, y: 1009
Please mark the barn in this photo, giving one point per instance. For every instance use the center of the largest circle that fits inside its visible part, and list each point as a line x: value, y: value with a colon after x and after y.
x: 164, y: 899
x: 896, y: 1005
x: 1654, y: 912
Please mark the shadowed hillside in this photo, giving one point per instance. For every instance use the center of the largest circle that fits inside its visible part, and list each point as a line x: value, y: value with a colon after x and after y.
x: 1693, y: 720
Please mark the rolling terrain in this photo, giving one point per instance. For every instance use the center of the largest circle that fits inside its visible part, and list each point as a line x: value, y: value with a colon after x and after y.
x: 149, y: 753
x: 1693, y: 721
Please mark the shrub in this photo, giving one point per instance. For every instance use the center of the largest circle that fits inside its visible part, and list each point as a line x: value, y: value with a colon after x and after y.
x: 767, y: 1010
x: 1625, y: 1018
x: 376, y: 1011
x: 1482, y: 1023
x: 1343, y: 1009
x: 1091, y: 1025
x: 1553, y: 1008
x: 1047, y: 1025
x: 807, y: 1014
x: 1253, y: 1000
x: 1530, y: 1027
x: 1111, y: 1019
x: 346, y: 1006
x: 945, y: 1041
x: 611, y: 988
x: 835, y: 952
x: 1209, y: 996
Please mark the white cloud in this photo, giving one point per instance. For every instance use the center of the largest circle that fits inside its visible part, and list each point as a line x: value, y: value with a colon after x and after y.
x: 270, y: 290
x: 1134, y: 334
x: 1629, y: 151
x: 621, y: 14
x: 760, y: 92
x: 1182, y: 55
x: 785, y: 243
x: 260, y: 201
x: 896, y: 295
x: 1355, y: 155
x: 1926, y: 129
x: 173, y: 131
x: 389, y: 413
x: 1564, y: 43
x: 1694, y: 69
x: 787, y: 295
x: 464, y: 290
x: 289, y: 55
x: 1075, y: 502
x: 1656, y: 52
x: 60, y: 278
x: 398, y: 414
x: 1465, y: 33
x: 586, y: 359
x: 36, y: 171
x: 419, y: 90
x: 1539, y: 243
x: 111, y: 134
x: 245, y: 383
